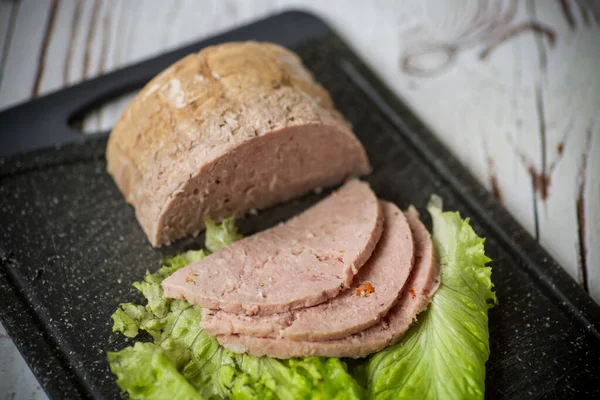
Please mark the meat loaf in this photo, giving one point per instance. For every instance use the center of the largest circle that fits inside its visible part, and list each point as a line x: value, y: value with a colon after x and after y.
x: 235, y: 127
x: 300, y: 263
x: 422, y: 285
x: 374, y: 291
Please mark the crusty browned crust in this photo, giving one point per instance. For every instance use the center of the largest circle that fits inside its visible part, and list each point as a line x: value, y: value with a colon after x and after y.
x: 189, y: 118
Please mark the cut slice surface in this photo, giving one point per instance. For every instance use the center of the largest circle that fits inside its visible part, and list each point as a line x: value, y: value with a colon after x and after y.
x: 300, y: 263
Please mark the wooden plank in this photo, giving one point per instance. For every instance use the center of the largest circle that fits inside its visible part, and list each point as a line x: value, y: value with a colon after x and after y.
x: 93, y: 58
x: 588, y: 208
x: 7, y: 16
x: 568, y: 99
x: 54, y: 76
x: 24, y: 53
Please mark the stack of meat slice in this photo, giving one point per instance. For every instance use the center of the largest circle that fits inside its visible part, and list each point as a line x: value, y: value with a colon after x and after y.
x: 346, y: 278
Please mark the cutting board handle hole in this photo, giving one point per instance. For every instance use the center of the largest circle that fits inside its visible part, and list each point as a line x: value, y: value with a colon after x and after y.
x: 102, y: 116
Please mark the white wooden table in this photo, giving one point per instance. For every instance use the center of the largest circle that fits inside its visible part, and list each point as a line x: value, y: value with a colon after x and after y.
x: 511, y: 87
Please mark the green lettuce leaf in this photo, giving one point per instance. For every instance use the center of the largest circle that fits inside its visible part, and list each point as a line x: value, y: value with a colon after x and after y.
x: 444, y: 355
x: 127, y: 364
x: 219, y: 236
x: 159, y: 312
x: 185, y: 362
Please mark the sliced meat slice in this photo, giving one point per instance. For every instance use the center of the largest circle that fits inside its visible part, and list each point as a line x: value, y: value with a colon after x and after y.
x: 300, y: 263
x: 422, y: 285
x: 374, y: 291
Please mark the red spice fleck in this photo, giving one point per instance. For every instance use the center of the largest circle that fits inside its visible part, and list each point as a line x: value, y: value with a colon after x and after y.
x: 412, y: 292
x: 365, y: 290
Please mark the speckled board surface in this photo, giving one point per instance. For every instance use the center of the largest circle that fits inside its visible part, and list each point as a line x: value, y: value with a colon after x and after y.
x: 70, y: 247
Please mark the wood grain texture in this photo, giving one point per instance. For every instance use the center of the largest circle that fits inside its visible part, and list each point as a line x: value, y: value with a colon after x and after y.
x: 567, y: 97
x: 23, y: 51
x: 511, y: 87
x: 8, y: 11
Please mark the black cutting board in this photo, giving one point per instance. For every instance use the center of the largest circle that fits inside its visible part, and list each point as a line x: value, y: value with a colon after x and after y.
x: 70, y: 247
